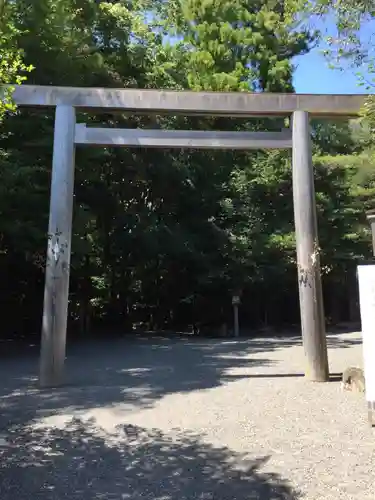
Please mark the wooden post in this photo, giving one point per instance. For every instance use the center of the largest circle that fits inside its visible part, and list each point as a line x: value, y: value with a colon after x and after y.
x: 370, y: 214
x: 236, y: 322
x: 309, y: 280
x: 58, y: 251
x: 235, y: 303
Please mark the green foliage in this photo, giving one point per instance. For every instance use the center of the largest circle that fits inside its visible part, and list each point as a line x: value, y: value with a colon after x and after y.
x: 12, y: 67
x: 164, y: 237
x: 236, y: 45
x: 352, y: 45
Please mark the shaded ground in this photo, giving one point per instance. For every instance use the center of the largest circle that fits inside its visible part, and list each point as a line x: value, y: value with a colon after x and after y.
x: 82, y: 461
x: 185, y: 419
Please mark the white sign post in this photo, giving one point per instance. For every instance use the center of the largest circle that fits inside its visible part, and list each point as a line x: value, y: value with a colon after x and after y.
x: 366, y: 280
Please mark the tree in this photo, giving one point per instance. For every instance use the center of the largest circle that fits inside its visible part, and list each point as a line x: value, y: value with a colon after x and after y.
x: 162, y: 238
x: 351, y: 47
x: 12, y: 67
x: 237, y: 45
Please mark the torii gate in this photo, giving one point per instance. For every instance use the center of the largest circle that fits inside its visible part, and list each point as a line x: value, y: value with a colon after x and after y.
x: 68, y: 134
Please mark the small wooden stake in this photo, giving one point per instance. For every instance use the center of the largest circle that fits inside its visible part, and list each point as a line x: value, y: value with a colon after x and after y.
x: 236, y: 321
x: 371, y: 413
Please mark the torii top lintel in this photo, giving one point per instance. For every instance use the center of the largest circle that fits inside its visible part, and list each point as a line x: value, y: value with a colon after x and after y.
x: 185, y: 102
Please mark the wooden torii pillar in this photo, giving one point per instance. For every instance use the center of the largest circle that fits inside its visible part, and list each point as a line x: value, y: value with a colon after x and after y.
x: 56, y: 291
x: 68, y: 134
x: 308, y: 259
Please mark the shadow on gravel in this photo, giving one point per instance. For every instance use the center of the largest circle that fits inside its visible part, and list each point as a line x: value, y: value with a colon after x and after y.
x: 334, y: 341
x: 132, y: 372
x: 80, y: 461
x: 127, y: 371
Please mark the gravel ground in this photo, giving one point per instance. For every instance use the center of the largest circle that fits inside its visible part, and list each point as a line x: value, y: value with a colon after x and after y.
x: 185, y: 419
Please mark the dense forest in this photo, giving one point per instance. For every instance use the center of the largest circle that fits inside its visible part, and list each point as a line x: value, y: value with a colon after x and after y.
x: 163, y: 238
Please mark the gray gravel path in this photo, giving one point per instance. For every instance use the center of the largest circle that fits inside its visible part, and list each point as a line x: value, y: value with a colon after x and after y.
x: 185, y: 419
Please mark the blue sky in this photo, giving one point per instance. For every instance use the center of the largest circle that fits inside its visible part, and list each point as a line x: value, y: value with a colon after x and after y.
x: 313, y: 76
x: 312, y: 73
